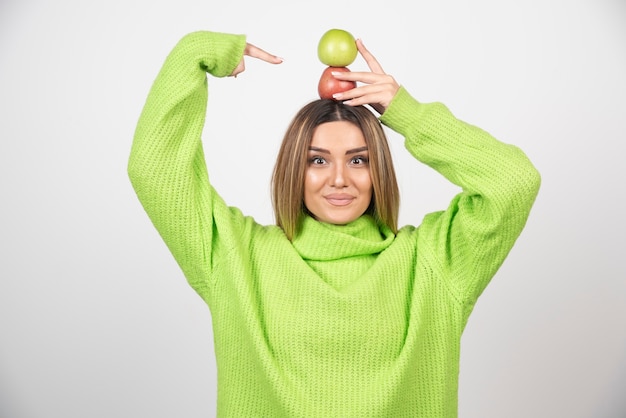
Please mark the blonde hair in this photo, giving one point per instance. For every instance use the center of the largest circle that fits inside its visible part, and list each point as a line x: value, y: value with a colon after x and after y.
x: 291, y: 164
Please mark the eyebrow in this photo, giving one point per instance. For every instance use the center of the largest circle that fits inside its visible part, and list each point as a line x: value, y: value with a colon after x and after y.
x: 350, y: 151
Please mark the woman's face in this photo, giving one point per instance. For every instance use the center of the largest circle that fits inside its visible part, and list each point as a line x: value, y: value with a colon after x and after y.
x: 337, y: 185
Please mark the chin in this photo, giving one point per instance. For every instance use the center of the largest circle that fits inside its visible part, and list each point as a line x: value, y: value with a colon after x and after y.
x: 338, y: 220
x: 336, y: 215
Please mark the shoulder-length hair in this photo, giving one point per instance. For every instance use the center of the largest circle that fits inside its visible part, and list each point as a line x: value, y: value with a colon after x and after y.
x: 292, y: 161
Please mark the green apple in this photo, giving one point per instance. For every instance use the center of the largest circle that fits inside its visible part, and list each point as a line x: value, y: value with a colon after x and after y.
x: 337, y: 48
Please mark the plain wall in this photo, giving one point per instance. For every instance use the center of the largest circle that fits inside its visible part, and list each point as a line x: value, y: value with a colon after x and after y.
x: 96, y: 319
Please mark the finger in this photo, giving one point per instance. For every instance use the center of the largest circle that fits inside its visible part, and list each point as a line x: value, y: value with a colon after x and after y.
x: 241, y: 67
x: 363, y: 77
x: 369, y: 58
x: 256, y: 52
x: 368, y: 93
x: 378, y: 96
x: 372, y: 100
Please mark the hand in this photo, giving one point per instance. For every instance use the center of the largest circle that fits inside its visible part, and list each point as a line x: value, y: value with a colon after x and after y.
x: 255, y: 52
x: 378, y: 88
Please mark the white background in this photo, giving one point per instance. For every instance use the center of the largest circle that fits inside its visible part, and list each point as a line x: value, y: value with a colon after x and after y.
x: 96, y: 319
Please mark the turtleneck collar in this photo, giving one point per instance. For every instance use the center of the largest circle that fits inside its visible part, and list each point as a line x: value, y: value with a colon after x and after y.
x: 319, y: 241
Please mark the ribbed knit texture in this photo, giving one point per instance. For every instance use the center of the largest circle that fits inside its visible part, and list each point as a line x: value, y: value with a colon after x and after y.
x: 346, y: 321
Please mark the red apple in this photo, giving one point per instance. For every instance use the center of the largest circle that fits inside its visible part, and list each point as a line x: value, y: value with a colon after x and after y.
x: 330, y: 85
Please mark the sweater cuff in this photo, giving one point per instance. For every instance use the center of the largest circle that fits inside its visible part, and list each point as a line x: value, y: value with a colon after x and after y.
x: 402, y: 112
x: 217, y: 53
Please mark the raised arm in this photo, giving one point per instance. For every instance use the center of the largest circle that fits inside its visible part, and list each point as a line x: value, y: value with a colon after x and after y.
x: 499, y: 186
x: 166, y: 165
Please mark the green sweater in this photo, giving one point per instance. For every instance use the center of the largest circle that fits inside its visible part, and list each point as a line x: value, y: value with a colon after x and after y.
x: 345, y: 321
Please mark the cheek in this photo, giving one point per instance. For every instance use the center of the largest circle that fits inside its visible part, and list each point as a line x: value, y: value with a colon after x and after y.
x: 364, y: 182
x: 312, y: 181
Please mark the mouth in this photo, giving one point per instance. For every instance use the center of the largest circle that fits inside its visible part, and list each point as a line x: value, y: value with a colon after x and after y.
x: 339, y: 199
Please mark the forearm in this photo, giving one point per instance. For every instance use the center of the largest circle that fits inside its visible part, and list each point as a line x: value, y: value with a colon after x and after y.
x: 168, y: 132
x: 465, y: 154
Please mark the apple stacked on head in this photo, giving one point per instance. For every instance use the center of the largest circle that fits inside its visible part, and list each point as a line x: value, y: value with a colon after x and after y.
x: 336, y: 49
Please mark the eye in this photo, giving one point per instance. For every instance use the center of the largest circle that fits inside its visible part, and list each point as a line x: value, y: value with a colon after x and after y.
x: 317, y: 160
x: 359, y: 160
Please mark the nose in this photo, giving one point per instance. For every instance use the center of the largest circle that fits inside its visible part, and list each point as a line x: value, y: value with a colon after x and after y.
x: 338, y: 176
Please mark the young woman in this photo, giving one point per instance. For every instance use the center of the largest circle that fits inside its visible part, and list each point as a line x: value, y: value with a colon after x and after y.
x: 334, y: 311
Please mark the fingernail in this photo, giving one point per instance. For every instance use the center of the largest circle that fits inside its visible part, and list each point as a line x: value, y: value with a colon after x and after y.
x: 337, y: 96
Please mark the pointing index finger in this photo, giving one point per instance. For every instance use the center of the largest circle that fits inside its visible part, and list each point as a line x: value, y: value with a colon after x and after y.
x: 256, y: 52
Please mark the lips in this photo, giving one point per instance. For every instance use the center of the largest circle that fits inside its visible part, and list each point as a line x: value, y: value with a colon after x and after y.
x: 337, y: 199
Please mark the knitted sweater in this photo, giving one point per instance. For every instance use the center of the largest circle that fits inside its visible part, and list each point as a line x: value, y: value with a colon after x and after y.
x: 345, y: 321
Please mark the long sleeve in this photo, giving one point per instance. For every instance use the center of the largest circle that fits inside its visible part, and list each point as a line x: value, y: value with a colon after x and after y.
x: 499, y: 185
x: 166, y: 166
